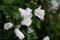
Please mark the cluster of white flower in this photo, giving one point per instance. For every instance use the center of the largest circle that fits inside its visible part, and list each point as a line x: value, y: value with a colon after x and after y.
x: 27, y: 15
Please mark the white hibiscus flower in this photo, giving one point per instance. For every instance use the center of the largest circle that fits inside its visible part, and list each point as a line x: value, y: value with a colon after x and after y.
x: 25, y: 13
x: 19, y: 34
x: 46, y: 38
x: 39, y: 13
x: 27, y: 21
x: 8, y: 25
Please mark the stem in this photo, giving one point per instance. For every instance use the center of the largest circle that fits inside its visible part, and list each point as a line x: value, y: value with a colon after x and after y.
x: 28, y: 37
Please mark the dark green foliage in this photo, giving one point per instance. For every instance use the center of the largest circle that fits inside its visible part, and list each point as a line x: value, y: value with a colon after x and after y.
x: 49, y: 26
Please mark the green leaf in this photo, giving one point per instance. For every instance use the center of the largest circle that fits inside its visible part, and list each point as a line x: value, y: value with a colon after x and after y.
x: 16, y: 16
x: 8, y: 1
x: 36, y: 22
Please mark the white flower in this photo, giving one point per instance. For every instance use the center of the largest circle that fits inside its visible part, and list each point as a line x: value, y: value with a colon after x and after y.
x: 29, y: 12
x: 27, y: 21
x: 8, y: 25
x: 30, y: 30
x: 54, y: 4
x: 46, y: 38
x: 25, y: 13
x: 19, y: 34
x: 39, y: 13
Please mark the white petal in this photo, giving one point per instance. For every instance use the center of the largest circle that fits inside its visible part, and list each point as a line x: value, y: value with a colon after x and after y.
x: 46, y: 38
x: 30, y: 15
x: 8, y: 25
x: 27, y: 21
x: 41, y: 17
x: 39, y: 7
x: 22, y: 12
x: 19, y: 34
x: 29, y: 10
